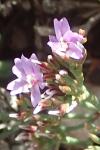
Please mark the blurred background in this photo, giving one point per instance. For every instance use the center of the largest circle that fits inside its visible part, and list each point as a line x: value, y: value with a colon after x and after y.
x: 26, y: 24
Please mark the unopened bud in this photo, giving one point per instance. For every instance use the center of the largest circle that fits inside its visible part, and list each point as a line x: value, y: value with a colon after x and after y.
x: 58, y: 77
x: 66, y: 108
x: 56, y: 102
x: 65, y: 89
x: 30, y: 128
x: 82, y: 32
x: 22, y: 115
x: 84, y: 40
x: 63, y: 72
x: 45, y: 103
x: 13, y: 115
x: 33, y: 128
x: 63, y: 108
x: 44, y: 65
x: 50, y: 58
x: 54, y: 112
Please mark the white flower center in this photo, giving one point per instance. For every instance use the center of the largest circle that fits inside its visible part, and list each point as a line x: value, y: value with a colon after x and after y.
x: 31, y: 80
x: 64, y: 44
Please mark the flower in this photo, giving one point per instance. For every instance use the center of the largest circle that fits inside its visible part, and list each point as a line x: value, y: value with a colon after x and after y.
x: 45, y: 102
x: 29, y: 78
x: 66, y: 43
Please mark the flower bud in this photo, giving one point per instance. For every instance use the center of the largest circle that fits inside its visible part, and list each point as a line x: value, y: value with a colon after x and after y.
x: 63, y: 108
x: 58, y: 77
x: 65, y: 89
x: 82, y: 32
x: 63, y: 72
x: 50, y: 58
x: 33, y: 128
x: 66, y: 108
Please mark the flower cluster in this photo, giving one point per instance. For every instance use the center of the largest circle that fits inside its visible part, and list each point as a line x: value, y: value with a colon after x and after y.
x: 33, y: 75
x: 30, y: 78
x: 56, y: 87
x: 66, y: 43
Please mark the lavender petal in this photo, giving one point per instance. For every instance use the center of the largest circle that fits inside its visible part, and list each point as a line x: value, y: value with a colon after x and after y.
x: 35, y: 95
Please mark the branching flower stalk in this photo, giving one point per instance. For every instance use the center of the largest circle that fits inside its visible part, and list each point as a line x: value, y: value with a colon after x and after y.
x: 56, y: 88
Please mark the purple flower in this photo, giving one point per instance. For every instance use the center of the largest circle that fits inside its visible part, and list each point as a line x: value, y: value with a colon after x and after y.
x: 66, y: 43
x: 30, y: 78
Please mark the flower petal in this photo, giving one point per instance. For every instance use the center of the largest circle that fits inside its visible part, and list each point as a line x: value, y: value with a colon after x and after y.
x: 70, y: 36
x: 17, y: 72
x: 57, y: 28
x: 64, y: 25
x: 52, y: 38
x: 74, y: 51
x: 34, y: 59
x: 35, y: 95
x: 19, y: 66
x: 37, y: 109
x: 33, y: 56
x: 27, y: 65
x: 76, y: 37
x: 54, y: 112
x: 17, y: 86
x: 37, y: 72
x: 56, y: 46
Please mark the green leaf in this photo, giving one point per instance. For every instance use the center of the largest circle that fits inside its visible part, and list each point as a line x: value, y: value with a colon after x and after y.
x: 8, y: 133
x: 71, y: 140
x: 4, y: 117
x: 90, y: 105
x: 93, y: 148
x: 95, y: 138
x: 74, y: 141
